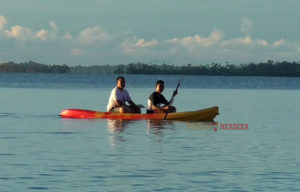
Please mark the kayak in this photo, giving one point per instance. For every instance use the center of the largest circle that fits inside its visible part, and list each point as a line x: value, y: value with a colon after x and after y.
x: 200, y: 115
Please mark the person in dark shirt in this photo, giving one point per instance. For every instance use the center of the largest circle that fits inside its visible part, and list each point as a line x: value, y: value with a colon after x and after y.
x: 157, y: 103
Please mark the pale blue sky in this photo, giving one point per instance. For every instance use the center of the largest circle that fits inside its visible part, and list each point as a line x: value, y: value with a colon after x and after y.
x: 97, y: 32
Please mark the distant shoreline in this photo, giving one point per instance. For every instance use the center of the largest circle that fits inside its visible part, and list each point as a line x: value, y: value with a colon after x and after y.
x: 269, y: 69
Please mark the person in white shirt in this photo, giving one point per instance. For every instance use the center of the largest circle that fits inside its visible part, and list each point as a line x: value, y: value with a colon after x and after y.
x: 118, y: 98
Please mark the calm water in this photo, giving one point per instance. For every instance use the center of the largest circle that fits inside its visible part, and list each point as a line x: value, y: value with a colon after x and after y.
x: 41, y: 152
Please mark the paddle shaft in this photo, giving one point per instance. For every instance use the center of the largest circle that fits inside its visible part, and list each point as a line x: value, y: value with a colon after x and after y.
x: 172, y: 98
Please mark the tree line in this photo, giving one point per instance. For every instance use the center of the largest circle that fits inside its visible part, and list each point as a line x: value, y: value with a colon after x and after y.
x: 269, y: 68
x: 32, y: 67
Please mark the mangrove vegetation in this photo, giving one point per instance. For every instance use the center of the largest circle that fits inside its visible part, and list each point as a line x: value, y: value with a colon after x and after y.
x: 269, y: 68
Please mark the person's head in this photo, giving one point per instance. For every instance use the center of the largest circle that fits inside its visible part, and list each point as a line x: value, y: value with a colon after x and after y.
x: 121, y: 82
x: 160, y: 86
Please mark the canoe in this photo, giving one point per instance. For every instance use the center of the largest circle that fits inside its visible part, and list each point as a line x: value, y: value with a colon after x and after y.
x: 200, y: 115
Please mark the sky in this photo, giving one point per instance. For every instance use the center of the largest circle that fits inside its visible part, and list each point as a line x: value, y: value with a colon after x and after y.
x: 177, y: 32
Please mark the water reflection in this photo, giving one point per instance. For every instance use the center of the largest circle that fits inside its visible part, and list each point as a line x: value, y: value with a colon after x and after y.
x: 117, y: 126
x: 158, y: 126
x: 202, y: 126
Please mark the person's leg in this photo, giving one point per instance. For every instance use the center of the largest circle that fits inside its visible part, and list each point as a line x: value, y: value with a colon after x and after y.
x: 133, y: 110
x: 128, y: 109
x: 172, y: 109
x: 125, y: 109
x: 137, y: 110
x: 118, y: 110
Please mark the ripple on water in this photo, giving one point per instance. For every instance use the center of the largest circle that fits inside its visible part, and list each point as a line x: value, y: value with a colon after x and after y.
x: 7, y: 154
x: 38, y: 188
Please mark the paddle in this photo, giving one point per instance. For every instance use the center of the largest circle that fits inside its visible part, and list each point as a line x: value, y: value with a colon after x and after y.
x: 172, y: 99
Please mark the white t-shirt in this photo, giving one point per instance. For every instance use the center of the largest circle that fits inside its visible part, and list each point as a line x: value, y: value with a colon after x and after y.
x: 117, y: 94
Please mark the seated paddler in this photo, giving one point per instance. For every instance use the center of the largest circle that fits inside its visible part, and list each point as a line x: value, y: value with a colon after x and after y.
x: 157, y: 103
x: 119, y: 98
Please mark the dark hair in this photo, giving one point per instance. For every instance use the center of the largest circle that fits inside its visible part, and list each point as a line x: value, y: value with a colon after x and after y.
x: 120, y: 77
x: 160, y: 82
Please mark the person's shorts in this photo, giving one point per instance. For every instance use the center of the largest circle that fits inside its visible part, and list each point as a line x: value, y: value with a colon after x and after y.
x: 149, y: 111
x: 172, y: 110
x: 117, y: 109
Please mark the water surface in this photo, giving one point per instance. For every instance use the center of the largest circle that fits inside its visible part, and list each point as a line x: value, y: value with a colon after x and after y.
x: 39, y: 151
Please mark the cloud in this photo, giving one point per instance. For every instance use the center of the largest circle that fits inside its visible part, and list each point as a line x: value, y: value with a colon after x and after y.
x: 67, y: 36
x: 261, y: 42
x: 198, y: 41
x: 142, y: 43
x: 278, y: 43
x: 91, y: 35
x: 213, y: 47
x: 246, y: 26
x: 133, y: 45
x: 53, y: 26
x: 194, y: 48
x: 42, y: 34
x: 3, y: 21
x: 22, y: 33
x: 247, y: 40
x: 54, y: 30
x: 19, y: 32
x: 76, y: 51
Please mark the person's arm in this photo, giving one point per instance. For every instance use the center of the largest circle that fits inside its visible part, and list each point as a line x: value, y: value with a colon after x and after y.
x: 132, y: 104
x: 159, y: 109
x: 129, y: 100
x: 119, y: 103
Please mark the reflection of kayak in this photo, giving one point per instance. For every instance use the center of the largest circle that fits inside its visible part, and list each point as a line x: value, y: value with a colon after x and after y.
x: 201, y: 115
